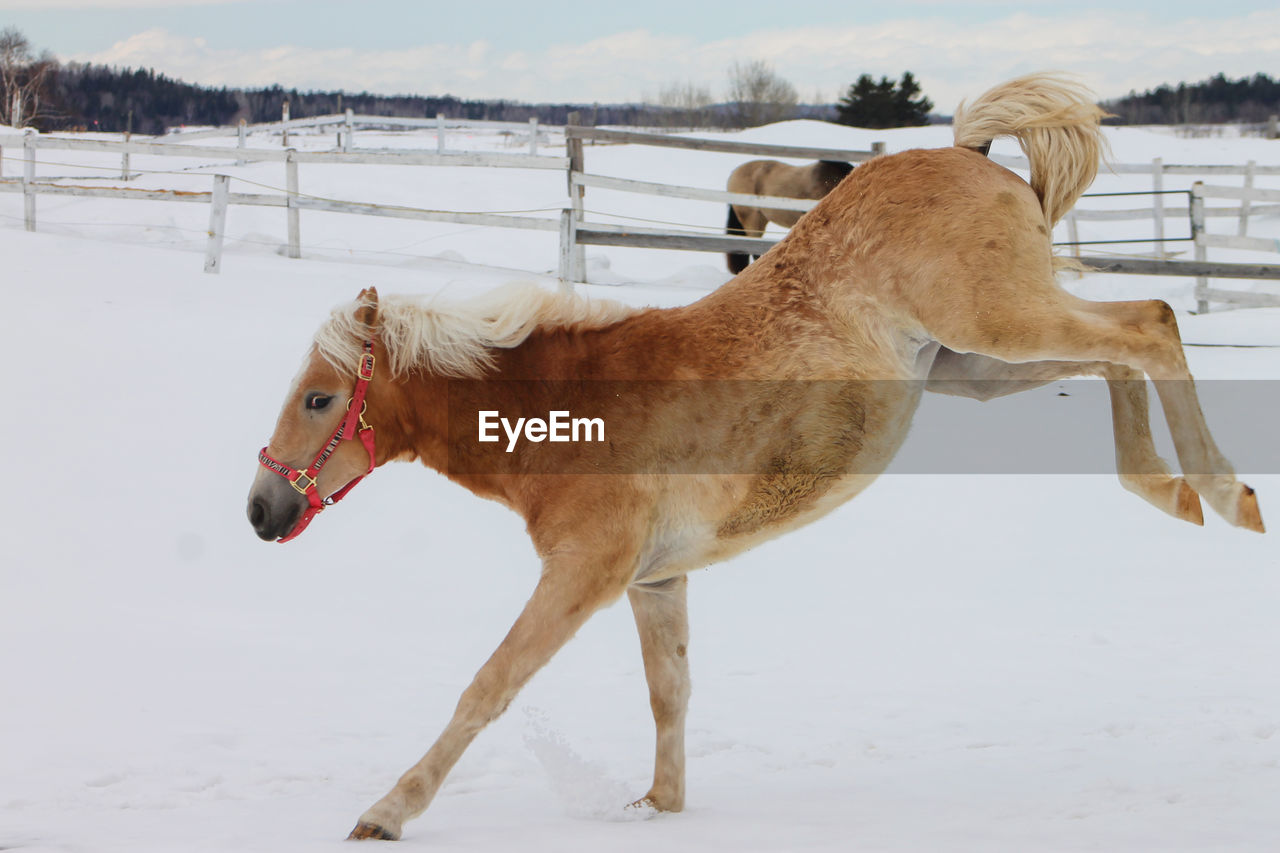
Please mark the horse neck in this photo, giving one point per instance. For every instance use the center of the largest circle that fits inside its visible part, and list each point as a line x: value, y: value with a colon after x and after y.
x: 408, y: 414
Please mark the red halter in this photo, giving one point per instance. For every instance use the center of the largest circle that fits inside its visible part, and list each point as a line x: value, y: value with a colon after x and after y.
x: 304, y: 481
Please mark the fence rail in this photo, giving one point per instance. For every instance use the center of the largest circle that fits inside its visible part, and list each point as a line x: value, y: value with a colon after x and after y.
x: 1186, y: 269
x: 724, y: 146
x: 358, y: 157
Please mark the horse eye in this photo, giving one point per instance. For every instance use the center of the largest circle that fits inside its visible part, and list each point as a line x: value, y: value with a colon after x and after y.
x: 316, y: 402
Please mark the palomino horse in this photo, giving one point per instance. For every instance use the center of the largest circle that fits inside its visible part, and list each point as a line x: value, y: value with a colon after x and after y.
x: 768, y: 396
x: 771, y: 177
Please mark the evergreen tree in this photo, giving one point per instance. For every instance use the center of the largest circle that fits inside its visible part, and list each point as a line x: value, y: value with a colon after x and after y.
x: 883, y: 104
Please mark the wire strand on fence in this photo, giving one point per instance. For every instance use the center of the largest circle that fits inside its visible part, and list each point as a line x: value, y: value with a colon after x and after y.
x: 1135, y: 240
x: 1137, y: 192
x: 712, y: 228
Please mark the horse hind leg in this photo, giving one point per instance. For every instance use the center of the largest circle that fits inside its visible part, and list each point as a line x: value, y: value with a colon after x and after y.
x: 1139, y: 466
x: 1161, y: 357
x: 661, y: 615
x: 1037, y: 322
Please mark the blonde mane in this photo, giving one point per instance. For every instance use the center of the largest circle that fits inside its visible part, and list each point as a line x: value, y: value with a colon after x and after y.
x: 456, y: 340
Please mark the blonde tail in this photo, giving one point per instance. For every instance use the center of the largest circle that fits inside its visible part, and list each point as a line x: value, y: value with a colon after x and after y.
x: 1056, y: 122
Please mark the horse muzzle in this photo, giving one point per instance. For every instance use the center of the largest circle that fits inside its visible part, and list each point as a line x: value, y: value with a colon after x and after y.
x: 273, y: 511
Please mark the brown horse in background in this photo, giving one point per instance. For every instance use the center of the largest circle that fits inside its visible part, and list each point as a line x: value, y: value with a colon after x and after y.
x: 776, y: 398
x: 775, y: 178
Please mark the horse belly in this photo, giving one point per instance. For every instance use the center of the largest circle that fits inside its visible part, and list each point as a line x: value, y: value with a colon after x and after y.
x: 838, y: 449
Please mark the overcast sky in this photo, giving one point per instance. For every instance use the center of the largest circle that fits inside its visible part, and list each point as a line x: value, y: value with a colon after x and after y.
x: 611, y: 51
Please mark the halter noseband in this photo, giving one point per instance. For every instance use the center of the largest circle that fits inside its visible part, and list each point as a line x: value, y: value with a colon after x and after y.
x: 353, y: 426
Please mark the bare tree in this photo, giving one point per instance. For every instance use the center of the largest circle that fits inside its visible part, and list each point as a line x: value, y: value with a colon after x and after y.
x: 22, y: 78
x: 684, y: 105
x: 757, y: 95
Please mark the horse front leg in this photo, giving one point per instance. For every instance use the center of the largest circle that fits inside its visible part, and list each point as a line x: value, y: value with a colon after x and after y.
x: 662, y: 619
x: 566, y: 596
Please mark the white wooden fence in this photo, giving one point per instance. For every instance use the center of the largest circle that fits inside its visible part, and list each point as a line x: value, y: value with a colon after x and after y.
x: 346, y: 124
x: 575, y: 232
x: 219, y: 195
x: 1204, y: 241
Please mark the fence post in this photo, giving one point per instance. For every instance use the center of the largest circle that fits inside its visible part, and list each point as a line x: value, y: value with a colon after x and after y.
x: 1197, y: 232
x: 217, y: 224
x: 15, y: 111
x: 284, y: 127
x: 1157, y: 206
x: 1073, y: 233
x: 241, y: 133
x: 573, y: 146
x: 1244, y: 202
x: 568, y: 241
x: 439, y: 133
x: 291, y: 187
x: 877, y: 149
x: 533, y: 137
x: 349, y: 133
x: 28, y: 179
x: 124, y: 158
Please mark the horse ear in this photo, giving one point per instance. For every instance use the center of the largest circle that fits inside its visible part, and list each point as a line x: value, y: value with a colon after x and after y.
x: 367, y: 307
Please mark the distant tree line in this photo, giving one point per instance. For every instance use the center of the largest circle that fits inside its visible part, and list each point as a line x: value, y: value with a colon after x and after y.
x: 1217, y: 100
x: 95, y: 97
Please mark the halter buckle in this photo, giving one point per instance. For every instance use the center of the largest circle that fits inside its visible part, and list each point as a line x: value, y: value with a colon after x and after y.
x: 299, y: 486
x: 364, y: 407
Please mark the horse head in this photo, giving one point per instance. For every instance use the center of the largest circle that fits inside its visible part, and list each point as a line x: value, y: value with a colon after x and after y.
x: 322, y: 444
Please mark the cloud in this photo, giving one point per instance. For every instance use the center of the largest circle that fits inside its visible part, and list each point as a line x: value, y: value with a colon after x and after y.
x: 951, y: 59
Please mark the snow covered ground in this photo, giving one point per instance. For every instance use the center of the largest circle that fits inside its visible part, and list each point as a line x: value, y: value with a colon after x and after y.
x: 952, y: 662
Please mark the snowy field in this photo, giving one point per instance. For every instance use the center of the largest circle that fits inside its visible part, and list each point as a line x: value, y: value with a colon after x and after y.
x: 948, y: 663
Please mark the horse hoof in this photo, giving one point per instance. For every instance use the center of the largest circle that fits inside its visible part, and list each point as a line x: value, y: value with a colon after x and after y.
x: 651, y: 803
x: 1187, y: 506
x: 371, y: 831
x: 1248, y: 515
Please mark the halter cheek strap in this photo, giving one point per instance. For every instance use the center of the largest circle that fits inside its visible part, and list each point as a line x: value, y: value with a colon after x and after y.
x: 353, y: 427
